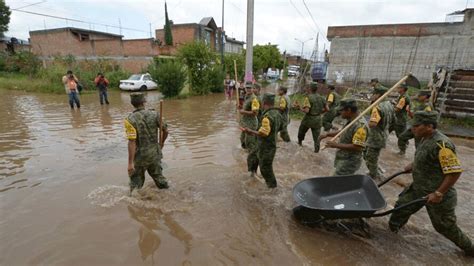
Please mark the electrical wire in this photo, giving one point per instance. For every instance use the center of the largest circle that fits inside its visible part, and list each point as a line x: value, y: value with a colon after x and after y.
x: 297, y: 10
x: 314, y: 21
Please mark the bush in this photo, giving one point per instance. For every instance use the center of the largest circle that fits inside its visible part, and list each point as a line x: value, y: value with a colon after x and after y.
x: 198, y: 58
x: 22, y: 62
x: 215, y: 78
x: 170, y: 76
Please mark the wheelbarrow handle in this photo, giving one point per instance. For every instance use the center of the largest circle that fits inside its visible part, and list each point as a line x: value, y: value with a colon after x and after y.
x: 392, y: 177
x: 417, y: 201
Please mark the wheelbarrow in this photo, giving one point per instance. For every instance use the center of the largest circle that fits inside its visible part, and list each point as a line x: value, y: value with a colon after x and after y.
x: 341, y: 197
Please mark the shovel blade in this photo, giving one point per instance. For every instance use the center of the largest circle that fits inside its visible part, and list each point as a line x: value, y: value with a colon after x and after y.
x: 412, y: 81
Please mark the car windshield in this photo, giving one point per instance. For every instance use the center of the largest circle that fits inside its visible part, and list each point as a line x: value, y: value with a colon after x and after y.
x: 134, y: 77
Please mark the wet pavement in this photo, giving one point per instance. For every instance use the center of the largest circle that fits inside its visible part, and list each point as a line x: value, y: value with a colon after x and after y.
x: 64, y: 193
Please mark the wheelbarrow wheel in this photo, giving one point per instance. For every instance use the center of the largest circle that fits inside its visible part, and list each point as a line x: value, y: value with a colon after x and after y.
x: 307, y: 216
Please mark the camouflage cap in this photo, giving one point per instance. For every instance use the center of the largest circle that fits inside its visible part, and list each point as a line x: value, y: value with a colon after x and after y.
x: 346, y: 103
x: 313, y: 85
x: 380, y: 90
x: 268, y: 97
x: 248, y: 84
x: 424, y: 118
x: 424, y: 93
x: 137, y: 97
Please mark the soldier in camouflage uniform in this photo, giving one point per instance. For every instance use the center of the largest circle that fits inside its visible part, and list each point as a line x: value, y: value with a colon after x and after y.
x: 144, y: 150
x: 313, y: 107
x: 249, y: 114
x: 435, y: 170
x: 283, y: 103
x: 256, y: 90
x: 332, y: 102
x: 401, y: 117
x: 267, y: 134
x: 351, y: 143
x: 423, y: 105
x: 380, y: 120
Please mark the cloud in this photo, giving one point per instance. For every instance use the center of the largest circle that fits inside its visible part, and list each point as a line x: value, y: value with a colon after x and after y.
x: 276, y: 21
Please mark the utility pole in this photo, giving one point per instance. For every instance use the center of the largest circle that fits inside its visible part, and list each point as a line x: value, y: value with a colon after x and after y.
x: 249, y: 52
x: 222, y: 38
x: 120, y: 26
x: 302, y: 47
x: 150, y: 31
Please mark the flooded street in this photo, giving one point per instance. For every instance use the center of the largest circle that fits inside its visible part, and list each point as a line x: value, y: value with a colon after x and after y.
x: 64, y: 193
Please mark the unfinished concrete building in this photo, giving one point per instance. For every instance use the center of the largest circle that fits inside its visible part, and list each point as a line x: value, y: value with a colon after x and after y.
x: 387, y: 52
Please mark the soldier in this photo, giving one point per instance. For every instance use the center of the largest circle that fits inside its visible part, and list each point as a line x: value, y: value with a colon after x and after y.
x: 332, y: 102
x: 256, y: 90
x: 380, y: 119
x: 423, y: 105
x: 284, y: 105
x: 144, y: 149
x: 351, y: 143
x: 313, y: 107
x: 401, y: 117
x: 435, y: 170
x: 249, y: 114
x: 267, y: 134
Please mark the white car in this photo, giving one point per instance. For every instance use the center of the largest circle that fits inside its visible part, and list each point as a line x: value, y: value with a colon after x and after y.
x: 138, y: 82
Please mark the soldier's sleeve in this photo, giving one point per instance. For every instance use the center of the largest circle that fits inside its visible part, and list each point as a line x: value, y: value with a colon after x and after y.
x: 448, y: 159
x: 255, y: 105
x: 130, y: 131
x: 306, y: 103
x: 401, y: 103
x: 330, y: 98
x: 165, y: 126
x: 282, y: 102
x: 360, y: 136
x: 265, y: 128
x: 375, y: 115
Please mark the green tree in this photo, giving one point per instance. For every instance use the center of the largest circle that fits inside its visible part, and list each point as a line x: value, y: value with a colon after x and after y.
x: 229, y: 65
x: 198, y: 58
x: 265, y: 56
x: 4, y: 17
x: 170, y: 76
x: 168, y: 34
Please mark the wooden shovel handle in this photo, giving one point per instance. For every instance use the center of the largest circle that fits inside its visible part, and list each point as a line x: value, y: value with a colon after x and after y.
x: 370, y: 107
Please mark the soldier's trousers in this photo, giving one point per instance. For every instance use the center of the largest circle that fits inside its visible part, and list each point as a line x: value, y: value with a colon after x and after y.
x: 400, y: 128
x: 347, y: 166
x: 371, y: 157
x: 265, y: 162
x: 328, y: 117
x: 137, y: 179
x: 284, y: 134
x: 442, y: 216
x: 242, y: 140
x: 252, y: 147
x: 315, y: 131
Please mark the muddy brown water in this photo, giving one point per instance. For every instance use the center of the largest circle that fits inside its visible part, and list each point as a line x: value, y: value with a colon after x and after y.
x: 64, y: 193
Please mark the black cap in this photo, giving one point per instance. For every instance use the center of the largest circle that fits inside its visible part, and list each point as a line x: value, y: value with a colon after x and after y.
x: 347, y: 103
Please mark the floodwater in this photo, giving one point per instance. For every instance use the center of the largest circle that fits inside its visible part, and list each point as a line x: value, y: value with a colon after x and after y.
x: 64, y: 193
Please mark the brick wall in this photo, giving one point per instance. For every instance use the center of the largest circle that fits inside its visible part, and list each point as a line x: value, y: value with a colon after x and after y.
x: 140, y: 47
x: 388, y: 52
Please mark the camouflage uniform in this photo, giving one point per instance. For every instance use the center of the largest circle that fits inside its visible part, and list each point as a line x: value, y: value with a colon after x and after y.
x: 333, y: 102
x: 142, y: 126
x: 283, y: 103
x: 250, y: 141
x: 434, y: 158
x: 401, y: 118
x: 312, y: 119
x: 348, y: 162
x: 270, y: 126
x: 377, y: 139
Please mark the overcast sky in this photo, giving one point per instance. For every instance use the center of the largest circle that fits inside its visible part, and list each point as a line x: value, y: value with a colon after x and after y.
x: 276, y: 21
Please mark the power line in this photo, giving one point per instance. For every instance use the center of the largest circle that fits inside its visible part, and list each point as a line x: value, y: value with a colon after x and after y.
x: 297, y: 10
x: 34, y: 4
x: 314, y: 21
x: 77, y: 20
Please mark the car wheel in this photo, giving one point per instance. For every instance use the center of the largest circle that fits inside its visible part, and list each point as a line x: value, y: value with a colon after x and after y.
x: 143, y: 88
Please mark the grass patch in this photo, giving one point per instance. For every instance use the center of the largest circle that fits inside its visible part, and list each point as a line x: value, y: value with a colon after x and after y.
x: 295, y: 113
x: 464, y: 122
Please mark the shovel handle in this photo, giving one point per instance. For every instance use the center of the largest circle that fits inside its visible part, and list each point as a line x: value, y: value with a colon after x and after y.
x: 392, y: 177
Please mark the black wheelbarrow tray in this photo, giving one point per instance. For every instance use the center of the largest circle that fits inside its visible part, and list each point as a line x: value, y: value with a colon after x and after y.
x: 341, y: 197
